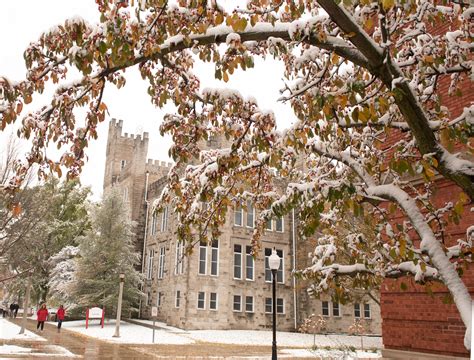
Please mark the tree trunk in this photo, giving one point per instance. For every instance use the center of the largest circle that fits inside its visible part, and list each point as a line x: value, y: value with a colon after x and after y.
x: 26, y: 304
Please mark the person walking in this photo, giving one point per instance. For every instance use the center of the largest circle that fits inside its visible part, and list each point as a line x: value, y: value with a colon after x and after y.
x: 42, y: 315
x: 60, y: 315
x: 12, y: 309
x: 15, y: 310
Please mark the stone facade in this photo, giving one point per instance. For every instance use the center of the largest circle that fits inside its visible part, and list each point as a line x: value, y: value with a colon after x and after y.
x: 219, y: 285
x: 339, y: 317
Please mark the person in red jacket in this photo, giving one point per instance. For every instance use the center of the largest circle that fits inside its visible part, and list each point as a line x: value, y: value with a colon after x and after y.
x: 60, y: 315
x: 42, y: 315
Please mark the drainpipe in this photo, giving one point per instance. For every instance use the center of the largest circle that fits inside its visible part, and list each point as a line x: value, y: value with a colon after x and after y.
x: 144, y: 240
x: 294, y: 267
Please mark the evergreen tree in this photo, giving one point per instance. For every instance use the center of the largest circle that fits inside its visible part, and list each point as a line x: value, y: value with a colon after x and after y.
x: 52, y: 216
x: 105, y: 252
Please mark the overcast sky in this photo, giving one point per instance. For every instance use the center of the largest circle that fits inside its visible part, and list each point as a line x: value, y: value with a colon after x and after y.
x: 22, y: 21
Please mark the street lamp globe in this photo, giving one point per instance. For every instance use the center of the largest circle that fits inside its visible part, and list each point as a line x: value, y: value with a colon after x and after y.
x: 122, y: 276
x: 274, y: 260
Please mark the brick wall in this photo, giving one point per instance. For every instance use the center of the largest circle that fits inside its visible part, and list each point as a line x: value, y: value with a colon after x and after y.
x: 414, y: 320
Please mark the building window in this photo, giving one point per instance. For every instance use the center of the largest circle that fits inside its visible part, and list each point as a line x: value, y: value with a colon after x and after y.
x: 164, y: 219
x: 237, y: 303
x: 268, y: 225
x: 215, y: 258
x: 268, y: 272
x: 238, y: 215
x: 123, y: 163
x: 367, y: 311
x: 159, y: 301
x: 154, y: 223
x: 151, y: 255
x: 161, y: 263
x: 280, y: 306
x: 213, y: 301
x: 177, y: 299
x: 268, y: 305
x: 179, y: 259
x: 335, y: 309
x: 325, y: 308
x: 125, y: 194
x: 357, y: 310
x: 148, y: 298
x: 237, y: 261
x: 250, y: 215
x: 202, y: 258
x: 201, y: 305
x: 249, y: 263
x: 249, y: 304
x: 279, y: 224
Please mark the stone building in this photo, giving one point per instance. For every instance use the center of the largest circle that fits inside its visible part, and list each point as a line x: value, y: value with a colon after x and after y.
x: 220, y: 285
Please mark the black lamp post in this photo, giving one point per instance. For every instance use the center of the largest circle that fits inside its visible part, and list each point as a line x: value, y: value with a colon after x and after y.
x: 274, y: 264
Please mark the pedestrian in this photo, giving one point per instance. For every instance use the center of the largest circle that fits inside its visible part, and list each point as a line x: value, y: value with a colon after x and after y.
x: 17, y: 307
x: 42, y: 315
x: 60, y: 315
x: 12, y: 308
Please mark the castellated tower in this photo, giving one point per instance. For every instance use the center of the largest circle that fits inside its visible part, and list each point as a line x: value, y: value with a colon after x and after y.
x: 127, y: 168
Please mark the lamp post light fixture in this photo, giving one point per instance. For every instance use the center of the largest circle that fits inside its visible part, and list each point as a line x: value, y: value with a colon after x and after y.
x: 274, y: 263
x: 119, y: 306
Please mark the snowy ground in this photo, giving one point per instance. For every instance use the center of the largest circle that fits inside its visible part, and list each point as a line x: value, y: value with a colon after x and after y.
x: 9, y: 331
x: 331, y: 354
x: 136, y: 334
x: 47, y: 351
x: 129, y: 333
x: 288, y: 339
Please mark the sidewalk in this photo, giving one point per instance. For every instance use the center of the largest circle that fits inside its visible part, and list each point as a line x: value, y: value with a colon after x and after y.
x: 63, y: 345
x: 75, y: 341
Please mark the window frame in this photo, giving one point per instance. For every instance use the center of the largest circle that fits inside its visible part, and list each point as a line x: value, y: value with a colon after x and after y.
x: 239, y: 255
x: 357, y: 309
x: 203, y: 300
x: 268, y: 304
x: 154, y: 222
x: 250, y: 205
x: 179, y: 258
x: 177, y: 299
x: 149, y: 272
x: 282, y: 306
x: 238, y: 210
x: 367, y: 309
x: 159, y: 299
x: 214, y: 250
x: 202, y: 249
x: 334, y: 308
x: 247, y: 303
x: 327, y: 307
x: 282, y: 224
x: 248, y: 256
x: 161, y: 263
x: 164, y: 219
x: 240, y: 303
x: 215, y: 301
x: 269, y: 221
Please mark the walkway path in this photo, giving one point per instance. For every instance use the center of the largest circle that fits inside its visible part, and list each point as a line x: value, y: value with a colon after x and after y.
x: 79, y: 346
x: 70, y: 345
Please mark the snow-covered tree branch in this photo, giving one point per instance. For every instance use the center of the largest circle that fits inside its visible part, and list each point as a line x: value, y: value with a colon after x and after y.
x: 374, y: 131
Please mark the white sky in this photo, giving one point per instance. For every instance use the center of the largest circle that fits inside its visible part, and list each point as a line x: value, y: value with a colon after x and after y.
x: 22, y: 21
